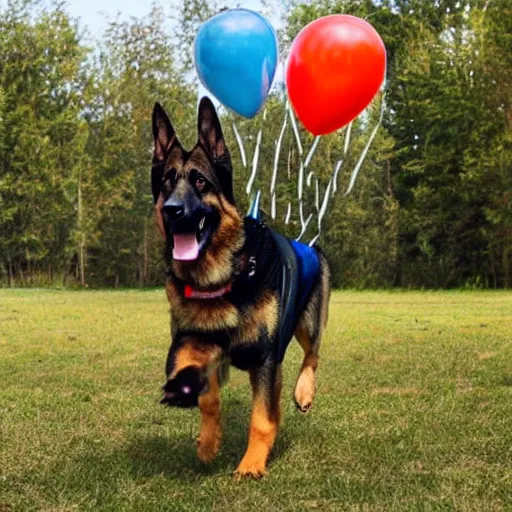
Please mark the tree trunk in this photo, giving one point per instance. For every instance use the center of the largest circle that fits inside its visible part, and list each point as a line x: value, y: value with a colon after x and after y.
x: 28, y: 272
x: 82, y: 263
x: 394, y: 230
x: 81, y: 252
x: 145, y: 267
x: 506, y: 267
x: 10, y: 276
x: 493, y: 268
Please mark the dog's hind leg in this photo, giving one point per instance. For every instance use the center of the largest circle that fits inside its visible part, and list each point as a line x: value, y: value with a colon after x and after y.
x: 208, y: 442
x: 309, y: 334
x: 266, y: 385
x: 306, y: 382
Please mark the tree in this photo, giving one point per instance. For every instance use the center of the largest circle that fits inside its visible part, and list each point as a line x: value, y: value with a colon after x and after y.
x: 432, y: 205
x: 41, y: 57
x: 136, y: 68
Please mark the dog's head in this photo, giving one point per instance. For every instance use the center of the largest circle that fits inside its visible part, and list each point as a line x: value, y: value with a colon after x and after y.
x: 193, y: 190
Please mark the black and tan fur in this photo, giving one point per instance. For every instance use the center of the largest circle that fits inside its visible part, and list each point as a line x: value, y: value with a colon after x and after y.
x: 239, y: 328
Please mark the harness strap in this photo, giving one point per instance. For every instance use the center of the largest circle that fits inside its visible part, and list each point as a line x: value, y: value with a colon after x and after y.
x: 289, y: 289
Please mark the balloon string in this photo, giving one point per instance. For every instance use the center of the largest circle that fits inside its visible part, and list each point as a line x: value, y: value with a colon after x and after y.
x: 255, y: 159
x: 317, y: 196
x: 335, y: 176
x: 295, y: 128
x: 312, y: 151
x: 300, y: 184
x: 332, y: 186
x: 333, y: 181
x: 276, y: 158
x: 309, y: 178
x: 303, y: 166
x: 359, y: 163
x: 347, y: 138
x: 288, y: 214
x: 240, y: 145
x: 273, y: 207
x: 304, y: 227
x: 314, y: 241
x: 321, y: 213
x: 325, y: 202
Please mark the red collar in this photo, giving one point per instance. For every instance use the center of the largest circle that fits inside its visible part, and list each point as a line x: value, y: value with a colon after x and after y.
x: 192, y: 293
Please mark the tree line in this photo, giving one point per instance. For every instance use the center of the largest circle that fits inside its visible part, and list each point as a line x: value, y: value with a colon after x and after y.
x: 432, y: 206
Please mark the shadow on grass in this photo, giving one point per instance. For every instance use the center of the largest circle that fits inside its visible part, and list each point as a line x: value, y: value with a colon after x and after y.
x: 149, y: 456
x: 507, y: 381
x: 175, y: 456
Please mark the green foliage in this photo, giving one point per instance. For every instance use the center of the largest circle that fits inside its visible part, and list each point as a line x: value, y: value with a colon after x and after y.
x: 449, y: 97
x: 433, y: 203
x: 135, y: 68
x: 41, y: 90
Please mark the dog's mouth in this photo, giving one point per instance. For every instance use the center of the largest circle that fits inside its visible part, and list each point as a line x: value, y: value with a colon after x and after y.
x: 189, y: 243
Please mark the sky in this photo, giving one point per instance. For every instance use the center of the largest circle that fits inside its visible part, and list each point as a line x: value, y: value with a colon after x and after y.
x: 92, y: 12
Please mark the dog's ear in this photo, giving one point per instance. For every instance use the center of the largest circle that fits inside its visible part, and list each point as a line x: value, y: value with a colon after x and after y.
x: 164, y: 136
x: 163, y: 133
x: 209, y: 129
x: 212, y: 139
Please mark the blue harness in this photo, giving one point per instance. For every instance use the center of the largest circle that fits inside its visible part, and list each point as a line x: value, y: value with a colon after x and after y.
x: 301, y: 268
x: 300, y: 271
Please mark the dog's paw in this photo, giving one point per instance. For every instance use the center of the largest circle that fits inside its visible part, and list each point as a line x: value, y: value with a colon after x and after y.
x: 305, y: 391
x: 206, y: 452
x: 208, y: 447
x: 250, y: 469
x: 303, y: 408
x: 184, y: 389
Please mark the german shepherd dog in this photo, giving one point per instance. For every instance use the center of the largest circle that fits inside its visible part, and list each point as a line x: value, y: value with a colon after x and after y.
x: 224, y: 291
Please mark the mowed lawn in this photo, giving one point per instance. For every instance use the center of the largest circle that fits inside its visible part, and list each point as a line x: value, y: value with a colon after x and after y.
x: 413, y: 409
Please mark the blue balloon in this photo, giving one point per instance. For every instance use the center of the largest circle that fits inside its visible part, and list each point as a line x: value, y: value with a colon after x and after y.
x: 236, y: 56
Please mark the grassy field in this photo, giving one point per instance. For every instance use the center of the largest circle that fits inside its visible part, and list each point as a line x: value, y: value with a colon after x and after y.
x: 413, y: 410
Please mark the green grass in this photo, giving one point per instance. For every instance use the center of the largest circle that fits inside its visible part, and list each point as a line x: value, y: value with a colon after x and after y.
x: 413, y: 410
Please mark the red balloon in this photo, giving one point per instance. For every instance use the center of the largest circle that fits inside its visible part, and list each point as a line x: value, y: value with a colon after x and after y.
x: 336, y: 67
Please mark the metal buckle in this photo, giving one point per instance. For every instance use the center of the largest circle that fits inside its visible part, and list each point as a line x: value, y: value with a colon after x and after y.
x: 252, y: 266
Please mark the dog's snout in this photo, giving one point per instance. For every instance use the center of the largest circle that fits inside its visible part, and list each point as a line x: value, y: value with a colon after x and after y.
x: 175, y: 210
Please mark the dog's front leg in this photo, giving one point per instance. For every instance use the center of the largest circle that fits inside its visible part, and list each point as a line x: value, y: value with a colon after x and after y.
x: 208, y: 442
x: 193, y: 380
x: 265, y: 416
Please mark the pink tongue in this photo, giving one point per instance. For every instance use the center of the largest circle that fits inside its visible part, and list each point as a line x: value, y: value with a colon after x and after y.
x: 186, y: 247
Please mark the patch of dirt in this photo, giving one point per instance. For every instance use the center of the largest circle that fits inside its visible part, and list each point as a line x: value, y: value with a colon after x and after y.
x: 486, y: 355
x: 396, y: 391
x: 383, y: 358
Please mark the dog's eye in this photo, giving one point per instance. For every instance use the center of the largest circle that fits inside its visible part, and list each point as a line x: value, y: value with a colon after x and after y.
x: 170, y: 178
x: 200, y: 183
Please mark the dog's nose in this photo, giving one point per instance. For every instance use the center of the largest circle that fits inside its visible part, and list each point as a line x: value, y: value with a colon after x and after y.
x: 175, y: 210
